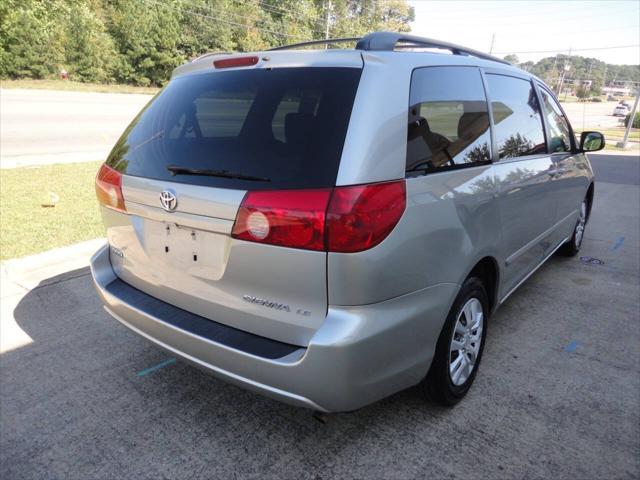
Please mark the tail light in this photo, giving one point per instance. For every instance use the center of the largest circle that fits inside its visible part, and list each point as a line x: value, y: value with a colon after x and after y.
x: 362, y: 216
x: 343, y: 219
x: 235, y: 62
x: 109, y: 188
x: 290, y: 218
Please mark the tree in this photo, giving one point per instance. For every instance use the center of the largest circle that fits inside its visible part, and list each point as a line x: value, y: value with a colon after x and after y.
x: 349, y: 18
x: 90, y: 51
x: 515, y: 145
x: 636, y: 120
x: 141, y: 41
x: 30, y: 38
x: 199, y: 34
x: 513, y: 59
x: 146, y: 36
x: 582, y: 92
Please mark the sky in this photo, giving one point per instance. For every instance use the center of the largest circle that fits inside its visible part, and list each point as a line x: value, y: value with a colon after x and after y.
x: 531, y: 26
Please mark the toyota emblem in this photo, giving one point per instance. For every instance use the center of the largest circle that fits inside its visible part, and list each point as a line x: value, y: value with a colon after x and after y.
x: 168, y: 200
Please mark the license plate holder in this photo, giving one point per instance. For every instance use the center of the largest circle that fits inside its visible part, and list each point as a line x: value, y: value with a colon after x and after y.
x: 189, y: 250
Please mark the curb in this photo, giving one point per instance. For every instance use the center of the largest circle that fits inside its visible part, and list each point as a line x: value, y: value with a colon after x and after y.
x: 29, y: 272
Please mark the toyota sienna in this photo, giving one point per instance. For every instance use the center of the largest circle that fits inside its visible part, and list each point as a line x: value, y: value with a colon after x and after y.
x: 328, y: 227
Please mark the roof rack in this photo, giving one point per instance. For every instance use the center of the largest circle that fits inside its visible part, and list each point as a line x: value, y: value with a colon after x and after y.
x: 390, y: 41
x: 326, y: 41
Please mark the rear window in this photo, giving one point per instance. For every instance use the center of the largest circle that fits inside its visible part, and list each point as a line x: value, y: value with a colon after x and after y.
x: 268, y: 129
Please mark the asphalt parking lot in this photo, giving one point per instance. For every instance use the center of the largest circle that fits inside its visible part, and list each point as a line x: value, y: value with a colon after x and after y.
x: 557, y: 395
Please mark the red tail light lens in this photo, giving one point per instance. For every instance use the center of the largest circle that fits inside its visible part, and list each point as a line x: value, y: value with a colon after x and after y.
x: 235, y: 62
x: 361, y: 216
x: 109, y: 188
x: 345, y: 219
x: 290, y: 218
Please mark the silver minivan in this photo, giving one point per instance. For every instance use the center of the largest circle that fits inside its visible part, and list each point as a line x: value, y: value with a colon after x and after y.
x: 328, y: 227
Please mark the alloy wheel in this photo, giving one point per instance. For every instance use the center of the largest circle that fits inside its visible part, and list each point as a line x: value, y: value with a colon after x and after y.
x: 582, y: 220
x: 465, y: 341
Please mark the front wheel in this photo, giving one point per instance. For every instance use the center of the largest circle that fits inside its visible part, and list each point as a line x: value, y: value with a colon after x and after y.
x: 460, y: 345
x: 572, y: 246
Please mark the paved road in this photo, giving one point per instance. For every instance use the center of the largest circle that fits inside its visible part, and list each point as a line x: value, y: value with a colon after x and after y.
x: 591, y: 115
x: 44, y: 126
x: 621, y: 169
x: 557, y: 395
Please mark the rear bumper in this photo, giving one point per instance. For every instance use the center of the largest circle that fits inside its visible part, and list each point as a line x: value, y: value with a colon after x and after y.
x: 359, y: 355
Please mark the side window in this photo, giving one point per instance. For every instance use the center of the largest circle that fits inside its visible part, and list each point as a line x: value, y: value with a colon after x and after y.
x: 559, y: 131
x: 516, y: 116
x: 448, y: 119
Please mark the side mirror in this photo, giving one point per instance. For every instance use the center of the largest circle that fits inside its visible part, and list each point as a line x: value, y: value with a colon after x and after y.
x: 591, y: 141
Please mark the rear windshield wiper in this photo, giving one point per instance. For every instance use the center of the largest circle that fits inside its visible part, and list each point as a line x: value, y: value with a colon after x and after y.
x: 177, y: 170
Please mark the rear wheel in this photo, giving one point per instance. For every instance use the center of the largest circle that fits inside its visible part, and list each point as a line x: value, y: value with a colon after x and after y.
x: 572, y: 246
x: 460, y: 345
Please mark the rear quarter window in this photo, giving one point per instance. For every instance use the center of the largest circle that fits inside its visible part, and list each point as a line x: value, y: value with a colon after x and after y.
x: 277, y: 128
x: 448, y: 120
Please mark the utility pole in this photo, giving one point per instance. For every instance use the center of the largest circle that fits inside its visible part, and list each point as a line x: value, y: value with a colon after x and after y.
x: 326, y: 27
x: 493, y: 39
x: 561, y: 79
x: 623, y: 143
x: 567, y: 67
x: 554, y: 71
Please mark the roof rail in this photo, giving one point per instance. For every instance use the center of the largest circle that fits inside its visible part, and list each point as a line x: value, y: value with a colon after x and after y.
x: 326, y: 41
x: 390, y: 41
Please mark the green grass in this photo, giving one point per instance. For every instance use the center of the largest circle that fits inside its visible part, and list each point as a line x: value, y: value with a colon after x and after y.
x: 27, y: 228
x: 611, y: 146
x: 615, y: 135
x: 76, y: 86
x: 568, y: 99
x: 618, y: 133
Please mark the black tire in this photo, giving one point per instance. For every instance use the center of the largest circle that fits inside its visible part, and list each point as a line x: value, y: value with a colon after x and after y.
x: 438, y: 384
x: 572, y: 246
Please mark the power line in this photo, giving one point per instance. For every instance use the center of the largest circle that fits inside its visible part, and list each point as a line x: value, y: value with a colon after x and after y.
x: 574, y: 49
x: 502, y: 11
x: 281, y: 11
x: 525, y: 13
x: 185, y: 3
x: 243, y: 3
x: 587, y: 32
x: 223, y: 20
x: 243, y: 17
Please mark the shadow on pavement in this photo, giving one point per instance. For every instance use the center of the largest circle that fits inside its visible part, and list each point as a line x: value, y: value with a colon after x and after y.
x: 556, y: 396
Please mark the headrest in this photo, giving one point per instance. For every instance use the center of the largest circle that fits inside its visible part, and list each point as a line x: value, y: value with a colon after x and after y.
x: 472, y: 124
x: 297, y: 127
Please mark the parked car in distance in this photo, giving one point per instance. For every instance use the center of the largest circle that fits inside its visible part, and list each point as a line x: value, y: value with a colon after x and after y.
x: 329, y: 227
x: 621, y: 110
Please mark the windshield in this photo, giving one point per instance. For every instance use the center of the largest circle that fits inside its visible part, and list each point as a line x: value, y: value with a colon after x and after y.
x: 263, y: 129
